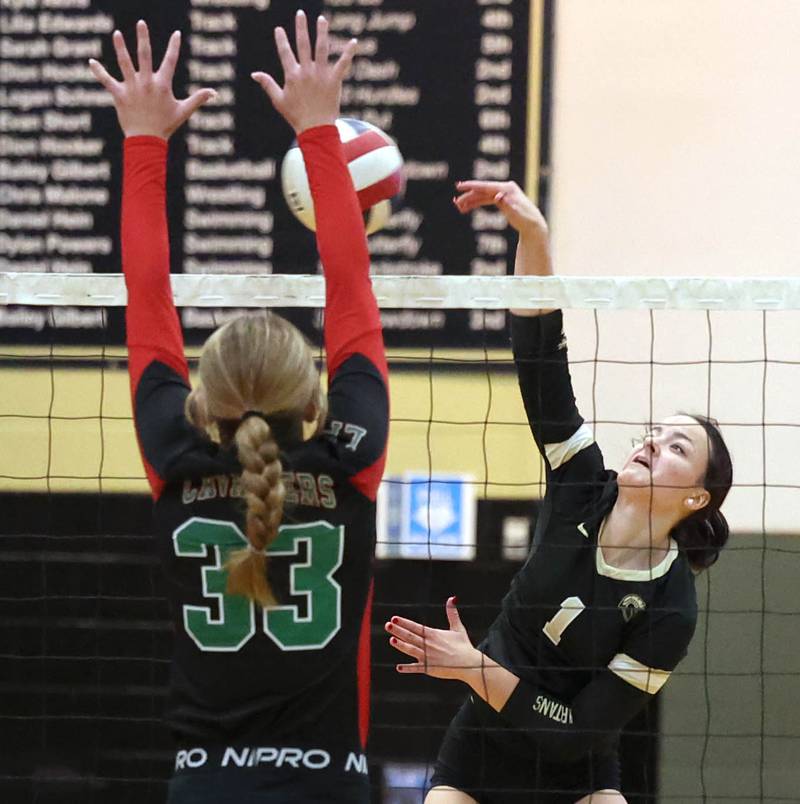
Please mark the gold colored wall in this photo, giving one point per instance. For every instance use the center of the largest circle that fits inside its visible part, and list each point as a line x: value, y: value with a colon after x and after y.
x: 50, y: 427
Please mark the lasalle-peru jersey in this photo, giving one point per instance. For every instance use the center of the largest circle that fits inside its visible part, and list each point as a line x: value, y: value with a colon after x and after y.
x: 296, y: 674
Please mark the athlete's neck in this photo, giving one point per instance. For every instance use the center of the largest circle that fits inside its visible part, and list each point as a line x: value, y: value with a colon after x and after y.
x: 631, y: 538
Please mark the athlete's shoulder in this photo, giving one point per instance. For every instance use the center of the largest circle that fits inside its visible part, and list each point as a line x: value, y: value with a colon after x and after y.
x: 679, y: 592
x: 663, y: 628
x: 583, y: 497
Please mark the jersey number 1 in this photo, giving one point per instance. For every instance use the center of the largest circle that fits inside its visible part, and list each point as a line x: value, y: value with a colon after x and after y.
x: 570, y: 610
x: 235, y: 622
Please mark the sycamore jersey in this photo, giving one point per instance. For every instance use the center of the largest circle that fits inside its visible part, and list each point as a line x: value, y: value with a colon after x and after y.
x: 589, y: 642
x: 295, y: 675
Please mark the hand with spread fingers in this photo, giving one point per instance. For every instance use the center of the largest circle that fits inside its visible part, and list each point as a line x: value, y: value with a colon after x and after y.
x: 312, y: 87
x: 144, y: 100
x: 507, y: 196
x: 439, y: 653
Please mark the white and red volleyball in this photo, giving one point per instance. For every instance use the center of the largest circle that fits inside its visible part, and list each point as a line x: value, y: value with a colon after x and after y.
x: 376, y: 167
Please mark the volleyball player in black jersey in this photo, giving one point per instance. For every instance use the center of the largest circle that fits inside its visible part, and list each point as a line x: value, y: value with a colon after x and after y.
x: 603, y: 609
x: 270, y: 682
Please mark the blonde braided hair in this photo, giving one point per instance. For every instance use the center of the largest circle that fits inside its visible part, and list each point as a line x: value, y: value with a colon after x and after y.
x: 255, y: 363
x: 264, y: 492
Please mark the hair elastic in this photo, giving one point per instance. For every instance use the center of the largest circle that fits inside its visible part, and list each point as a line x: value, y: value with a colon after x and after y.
x: 249, y: 413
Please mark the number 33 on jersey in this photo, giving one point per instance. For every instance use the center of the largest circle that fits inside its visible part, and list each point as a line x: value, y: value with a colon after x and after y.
x: 229, y: 622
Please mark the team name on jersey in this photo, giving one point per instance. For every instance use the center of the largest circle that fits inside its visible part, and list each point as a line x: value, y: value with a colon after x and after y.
x: 552, y: 709
x: 210, y: 488
x: 302, y: 488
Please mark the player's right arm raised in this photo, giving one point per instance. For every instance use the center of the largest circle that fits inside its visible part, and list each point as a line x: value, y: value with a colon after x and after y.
x: 357, y: 370
x: 533, y: 248
x: 540, y: 350
x: 149, y: 114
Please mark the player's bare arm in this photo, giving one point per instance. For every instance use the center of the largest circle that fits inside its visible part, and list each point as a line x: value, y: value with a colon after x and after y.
x: 533, y: 249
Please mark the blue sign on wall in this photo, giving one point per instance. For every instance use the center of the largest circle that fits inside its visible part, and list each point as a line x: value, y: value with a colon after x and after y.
x: 427, y: 517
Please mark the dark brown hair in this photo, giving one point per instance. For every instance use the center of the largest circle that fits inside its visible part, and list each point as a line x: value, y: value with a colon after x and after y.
x: 703, y: 534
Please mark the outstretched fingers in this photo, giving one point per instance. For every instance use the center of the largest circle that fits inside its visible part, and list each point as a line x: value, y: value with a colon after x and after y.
x: 170, y: 61
x: 123, y: 57
x: 404, y: 635
x: 453, y: 617
x: 302, y: 38
x: 409, y: 648
x: 102, y: 75
x: 270, y: 86
x: 409, y: 625
x: 144, y: 52
x: 322, y: 50
x: 416, y: 667
x: 187, y: 107
x: 345, y: 61
x: 285, y: 54
x: 144, y: 100
x: 411, y: 645
x: 312, y: 86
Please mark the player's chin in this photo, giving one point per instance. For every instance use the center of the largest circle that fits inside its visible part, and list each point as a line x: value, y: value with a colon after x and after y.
x: 631, y: 477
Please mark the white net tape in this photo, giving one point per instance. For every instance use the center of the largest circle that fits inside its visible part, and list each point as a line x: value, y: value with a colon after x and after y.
x: 423, y: 292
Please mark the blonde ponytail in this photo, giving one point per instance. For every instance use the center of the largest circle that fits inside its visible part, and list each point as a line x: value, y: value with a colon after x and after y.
x: 264, y: 491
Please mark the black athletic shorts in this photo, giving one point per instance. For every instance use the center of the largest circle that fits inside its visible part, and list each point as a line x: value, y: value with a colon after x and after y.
x: 481, y: 756
x: 267, y: 775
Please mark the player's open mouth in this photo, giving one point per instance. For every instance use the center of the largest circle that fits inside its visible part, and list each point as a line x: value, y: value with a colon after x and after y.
x: 642, y: 461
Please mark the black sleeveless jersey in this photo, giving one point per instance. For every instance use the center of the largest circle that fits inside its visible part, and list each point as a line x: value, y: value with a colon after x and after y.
x: 296, y: 674
x: 589, y: 642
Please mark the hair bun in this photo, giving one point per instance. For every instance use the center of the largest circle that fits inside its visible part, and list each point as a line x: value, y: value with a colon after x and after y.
x: 702, y: 537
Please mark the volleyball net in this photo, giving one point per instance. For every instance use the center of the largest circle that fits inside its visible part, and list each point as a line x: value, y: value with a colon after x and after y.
x: 85, y: 631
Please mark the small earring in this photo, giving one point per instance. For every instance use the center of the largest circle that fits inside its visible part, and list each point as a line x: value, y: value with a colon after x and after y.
x: 690, y: 500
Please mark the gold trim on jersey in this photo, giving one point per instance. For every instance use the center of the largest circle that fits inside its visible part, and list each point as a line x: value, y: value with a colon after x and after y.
x: 658, y: 571
x: 647, y: 679
x: 558, y: 454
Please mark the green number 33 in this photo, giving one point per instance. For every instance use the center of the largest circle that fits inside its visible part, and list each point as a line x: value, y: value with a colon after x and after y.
x: 235, y: 621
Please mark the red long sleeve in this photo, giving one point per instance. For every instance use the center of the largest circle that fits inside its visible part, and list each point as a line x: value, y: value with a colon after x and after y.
x: 352, y: 319
x: 153, y: 329
x: 153, y: 332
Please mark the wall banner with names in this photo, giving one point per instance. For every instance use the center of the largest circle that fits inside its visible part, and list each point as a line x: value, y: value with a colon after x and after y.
x: 462, y: 85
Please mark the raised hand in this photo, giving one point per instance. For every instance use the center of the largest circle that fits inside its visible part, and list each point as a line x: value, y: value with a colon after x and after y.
x: 507, y: 196
x: 439, y: 653
x: 144, y: 100
x: 312, y: 86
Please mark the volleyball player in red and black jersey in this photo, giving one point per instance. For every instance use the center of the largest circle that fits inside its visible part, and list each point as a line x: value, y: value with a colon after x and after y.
x: 603, y: 609
x: 266, y: 536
